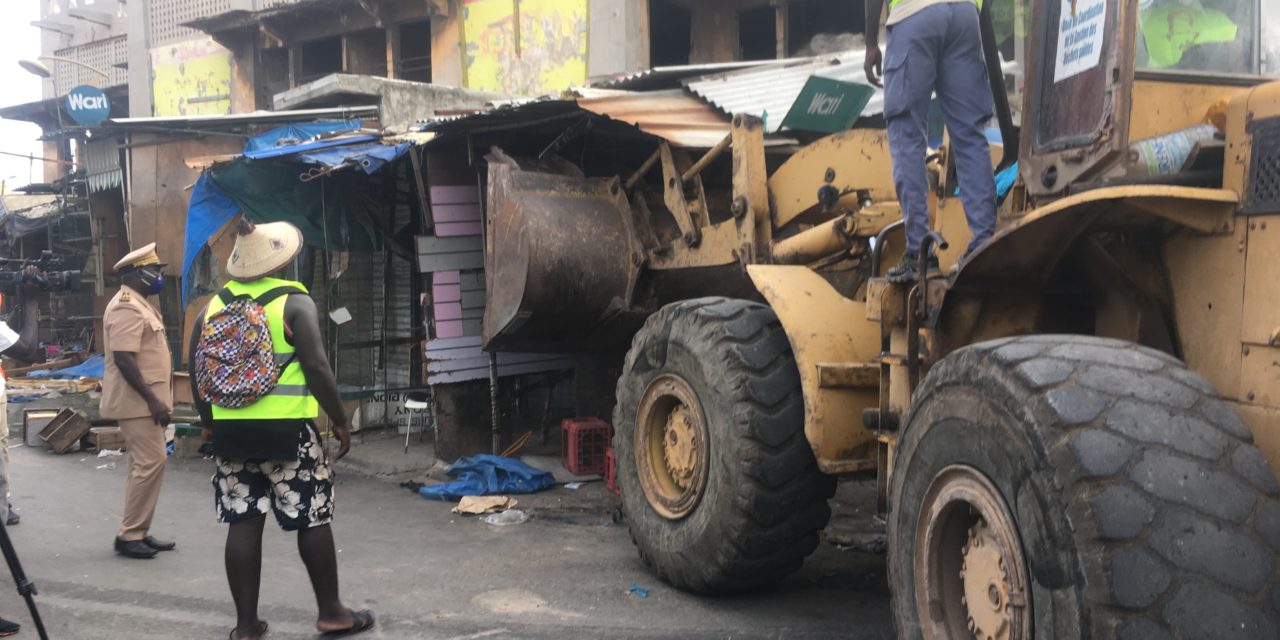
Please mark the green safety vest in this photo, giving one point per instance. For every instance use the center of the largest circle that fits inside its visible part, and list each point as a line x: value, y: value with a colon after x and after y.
x: 1170, y: 30
x: 290, y: 400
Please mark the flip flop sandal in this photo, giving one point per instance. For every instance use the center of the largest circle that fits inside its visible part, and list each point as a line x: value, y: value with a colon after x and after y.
x: 361, y: 621
x: 263, y: 627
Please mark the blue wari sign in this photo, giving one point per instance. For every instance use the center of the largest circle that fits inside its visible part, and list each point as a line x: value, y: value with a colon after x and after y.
x: 87, y: 105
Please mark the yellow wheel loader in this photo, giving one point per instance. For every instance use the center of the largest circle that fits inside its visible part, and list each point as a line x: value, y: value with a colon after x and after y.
x: 1070, y: 426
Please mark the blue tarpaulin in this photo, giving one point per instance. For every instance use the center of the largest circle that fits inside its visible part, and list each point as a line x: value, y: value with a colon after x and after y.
x: 298, y: 133
x: 370, y: 157
x: 209, y: 210
x: 211, y: 206
x: 91, y: 368
x: 485, y: 475
x: 294, y: 149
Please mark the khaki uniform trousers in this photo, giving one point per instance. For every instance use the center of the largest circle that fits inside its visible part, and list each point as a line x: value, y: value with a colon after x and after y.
x: 144, y: 444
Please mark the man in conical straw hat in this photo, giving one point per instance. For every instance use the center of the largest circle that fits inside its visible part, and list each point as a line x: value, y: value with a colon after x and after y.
x: 269, y: 453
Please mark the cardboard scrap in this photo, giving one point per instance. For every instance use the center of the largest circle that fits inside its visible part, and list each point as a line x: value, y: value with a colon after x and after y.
x: 478, y: 505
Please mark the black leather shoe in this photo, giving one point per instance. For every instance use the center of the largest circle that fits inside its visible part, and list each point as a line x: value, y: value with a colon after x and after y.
x: 160, y: 545
x: 12, y: 519
x: 134, y: 549
x: 8, y: 628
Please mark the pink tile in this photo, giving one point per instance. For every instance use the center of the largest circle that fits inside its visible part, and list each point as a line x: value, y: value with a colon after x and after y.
x: 447, y: 277
x: 462, y: 194
x: 446, y: 292
x: 449, y: 329
x: 455, y: 213
x: 448, y: 311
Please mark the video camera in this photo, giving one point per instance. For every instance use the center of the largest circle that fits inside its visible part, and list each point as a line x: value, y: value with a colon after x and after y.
x: 46, y: 272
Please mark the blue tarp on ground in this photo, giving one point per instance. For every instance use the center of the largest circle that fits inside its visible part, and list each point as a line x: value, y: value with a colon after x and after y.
x: 91, y: 368
x: 486, y: 475
x: 297, y: 133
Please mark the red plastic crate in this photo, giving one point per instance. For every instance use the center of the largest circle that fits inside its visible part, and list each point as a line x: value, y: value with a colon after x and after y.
x: 611, y: 471
x: 583, y: 443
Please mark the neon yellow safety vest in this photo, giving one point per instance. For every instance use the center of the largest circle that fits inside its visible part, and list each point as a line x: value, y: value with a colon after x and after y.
x: 290, y: 400
x: 893, y: 3
x: 1171, y: 30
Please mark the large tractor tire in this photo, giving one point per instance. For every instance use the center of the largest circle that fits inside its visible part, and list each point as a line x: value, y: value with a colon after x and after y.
x: 719, y: 485
x: 1078, y: 487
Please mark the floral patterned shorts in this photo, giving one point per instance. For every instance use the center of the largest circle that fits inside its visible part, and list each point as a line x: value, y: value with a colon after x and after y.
x: 300, y: 492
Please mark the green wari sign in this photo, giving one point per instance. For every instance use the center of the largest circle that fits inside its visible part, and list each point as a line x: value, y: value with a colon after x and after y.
x: 827, y: 105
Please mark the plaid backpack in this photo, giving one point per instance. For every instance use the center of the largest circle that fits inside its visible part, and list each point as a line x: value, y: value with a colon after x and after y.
x: 235, y: 361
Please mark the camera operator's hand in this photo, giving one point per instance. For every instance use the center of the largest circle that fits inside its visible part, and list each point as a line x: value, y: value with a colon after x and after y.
x: 159, y: 411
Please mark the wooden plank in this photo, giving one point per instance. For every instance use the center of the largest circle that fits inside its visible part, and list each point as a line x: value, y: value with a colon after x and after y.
x: 456, y: 212
x: 450, y: 329
x: 446, y: 277
x: 472, y: 314
x: 472, y: 281
x: 472, y: 299
x: 472, y: 327
x: 482, y: 360
x: 459, y: 353
x: 450, y: 254
x: 510, y: 370
x: 447, y: 311
x: 432, y: 245
x: 455, y: 194
x: 452, y: 343
x: 446, y: 293
x: 457, y: 229
x: 450, y: 262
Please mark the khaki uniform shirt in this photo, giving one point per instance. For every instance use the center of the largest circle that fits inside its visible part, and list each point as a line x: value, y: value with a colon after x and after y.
x: 132, y: 324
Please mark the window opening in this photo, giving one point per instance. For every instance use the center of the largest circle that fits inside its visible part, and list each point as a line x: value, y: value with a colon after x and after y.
x: 670, y: 34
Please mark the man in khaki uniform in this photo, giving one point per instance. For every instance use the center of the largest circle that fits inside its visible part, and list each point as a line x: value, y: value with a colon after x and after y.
x: 136, y: 392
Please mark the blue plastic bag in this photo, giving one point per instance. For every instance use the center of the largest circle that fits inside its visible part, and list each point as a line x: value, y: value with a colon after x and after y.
x: 485, y: 475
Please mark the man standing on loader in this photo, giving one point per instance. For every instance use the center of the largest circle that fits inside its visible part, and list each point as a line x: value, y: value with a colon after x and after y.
x: 934, y: 46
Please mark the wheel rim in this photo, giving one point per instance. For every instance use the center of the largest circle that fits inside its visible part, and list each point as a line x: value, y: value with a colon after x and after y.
x: 671, y: 446
x: 969, y: 566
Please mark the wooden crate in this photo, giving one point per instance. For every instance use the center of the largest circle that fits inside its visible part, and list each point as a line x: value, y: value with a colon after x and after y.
x: 33, y: 422
x: 65, y: 430
x: 106, y: 438
x: 181, y: 383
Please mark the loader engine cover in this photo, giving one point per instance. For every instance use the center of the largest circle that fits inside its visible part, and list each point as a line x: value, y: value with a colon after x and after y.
x: 561, y: 259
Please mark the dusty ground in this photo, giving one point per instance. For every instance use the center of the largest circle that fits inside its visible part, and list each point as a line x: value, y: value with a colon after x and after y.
x: 428, y: 573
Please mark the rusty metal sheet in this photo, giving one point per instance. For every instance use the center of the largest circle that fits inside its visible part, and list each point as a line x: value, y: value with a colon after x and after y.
x: 674, y: 116
x: 826, y: 331
x: 561, y: 258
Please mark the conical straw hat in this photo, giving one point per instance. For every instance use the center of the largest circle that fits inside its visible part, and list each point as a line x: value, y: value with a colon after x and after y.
x: 263, y: 249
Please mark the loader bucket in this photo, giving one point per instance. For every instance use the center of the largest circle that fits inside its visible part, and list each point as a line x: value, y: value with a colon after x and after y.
x: 560, y: 259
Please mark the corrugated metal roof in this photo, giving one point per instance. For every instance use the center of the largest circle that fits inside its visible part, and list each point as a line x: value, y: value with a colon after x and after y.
x: 769, y: 92
x: 671, y: 77
x: 102, y: 164
x: 673, y: 115
x: 29, y: 206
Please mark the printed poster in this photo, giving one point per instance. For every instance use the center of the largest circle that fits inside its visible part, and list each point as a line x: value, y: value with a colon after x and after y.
x: 1080, y: 37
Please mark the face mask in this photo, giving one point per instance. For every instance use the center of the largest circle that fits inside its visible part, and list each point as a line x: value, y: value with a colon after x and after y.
x: 152, y: 280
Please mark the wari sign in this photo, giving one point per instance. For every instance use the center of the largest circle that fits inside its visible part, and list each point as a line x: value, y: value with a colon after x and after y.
x: 87, y: 105
x: 827, y: 105
x: 1079, y: 37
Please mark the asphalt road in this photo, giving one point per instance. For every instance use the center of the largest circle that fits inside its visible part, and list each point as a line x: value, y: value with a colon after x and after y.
x: 426, y: 572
